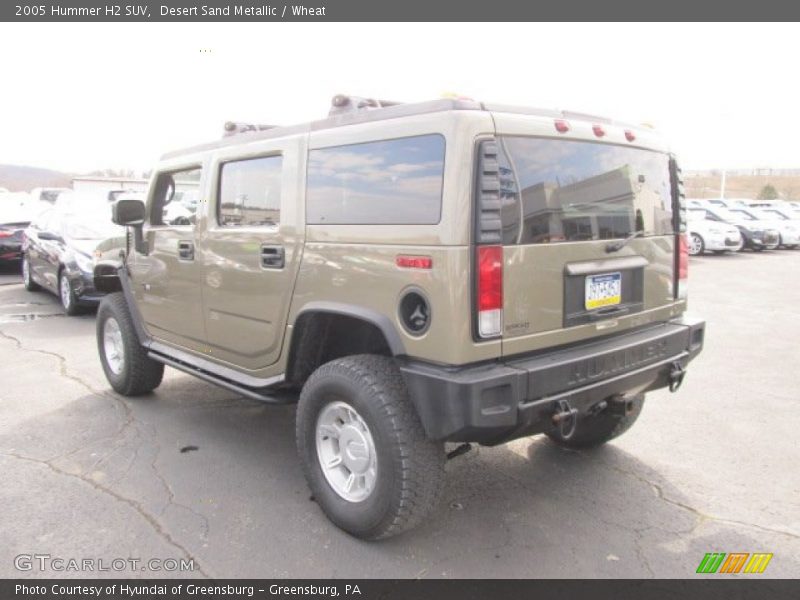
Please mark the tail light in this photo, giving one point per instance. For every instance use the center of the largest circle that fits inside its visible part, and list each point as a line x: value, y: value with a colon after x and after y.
x: 490, y: 291
x: 683, y: 265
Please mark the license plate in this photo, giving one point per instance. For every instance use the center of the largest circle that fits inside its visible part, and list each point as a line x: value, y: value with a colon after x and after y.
x: 603, y: 290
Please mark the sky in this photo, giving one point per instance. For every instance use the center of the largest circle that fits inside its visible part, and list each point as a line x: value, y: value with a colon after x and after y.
x: 81, y: 97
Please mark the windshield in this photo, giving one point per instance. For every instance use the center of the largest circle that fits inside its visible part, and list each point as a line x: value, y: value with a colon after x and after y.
x: 697, y: 214
x: 558, y: 190
x: 774, y: 214
x: 91, y: 230
x: 743, y: 214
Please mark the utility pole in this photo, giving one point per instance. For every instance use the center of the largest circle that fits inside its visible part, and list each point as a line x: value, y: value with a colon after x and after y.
x: 722, y: 186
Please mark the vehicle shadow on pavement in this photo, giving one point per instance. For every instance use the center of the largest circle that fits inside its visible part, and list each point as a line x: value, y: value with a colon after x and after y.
x: 217, y: 478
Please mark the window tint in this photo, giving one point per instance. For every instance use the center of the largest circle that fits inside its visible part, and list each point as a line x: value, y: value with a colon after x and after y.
x: 168, y: 206
x: 559, y: 190
x: 387, y: 182
x: 250, y: 192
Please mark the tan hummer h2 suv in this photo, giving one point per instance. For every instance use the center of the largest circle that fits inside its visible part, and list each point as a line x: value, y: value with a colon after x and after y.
x: 410, y: 275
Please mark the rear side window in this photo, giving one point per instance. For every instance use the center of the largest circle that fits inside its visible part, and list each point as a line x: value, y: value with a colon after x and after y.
x: 567, y: 191
x: 388, y: 182
x: 250, y: 192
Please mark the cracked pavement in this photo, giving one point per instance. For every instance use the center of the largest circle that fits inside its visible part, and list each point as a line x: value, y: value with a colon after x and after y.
x: 713, y: 468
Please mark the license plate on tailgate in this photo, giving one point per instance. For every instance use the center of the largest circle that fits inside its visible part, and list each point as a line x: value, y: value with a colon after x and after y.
x: 603, y: 290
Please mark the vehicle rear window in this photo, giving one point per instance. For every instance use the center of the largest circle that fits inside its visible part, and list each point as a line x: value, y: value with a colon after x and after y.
x: 564, y: 191
x: 387, y: 182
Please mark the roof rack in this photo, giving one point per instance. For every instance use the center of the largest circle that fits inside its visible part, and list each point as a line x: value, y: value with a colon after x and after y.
x: 237, y: 127
x: 342, y: 103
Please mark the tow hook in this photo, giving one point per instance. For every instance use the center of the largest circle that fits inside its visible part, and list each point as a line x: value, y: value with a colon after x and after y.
x: 566, y: 418
x: 676, y: 375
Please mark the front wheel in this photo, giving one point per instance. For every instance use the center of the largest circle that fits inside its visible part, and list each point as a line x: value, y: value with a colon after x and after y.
x: 696, y: 245
x: 27, y: 278
x: 67, y: 295
x: 363, y: 450
x: 596, y: 430
x: 125, y: 362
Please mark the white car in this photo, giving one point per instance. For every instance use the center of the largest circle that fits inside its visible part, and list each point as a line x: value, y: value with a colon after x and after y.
x: 707, y: 235
x: 789, y: 230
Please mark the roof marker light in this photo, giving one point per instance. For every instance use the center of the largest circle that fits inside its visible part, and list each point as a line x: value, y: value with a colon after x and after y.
x: 629, y: 135
x: 598, y: 130
x: 562, y: 126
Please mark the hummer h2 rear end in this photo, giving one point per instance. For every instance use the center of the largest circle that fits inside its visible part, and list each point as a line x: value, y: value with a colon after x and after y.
x: 411, y: 274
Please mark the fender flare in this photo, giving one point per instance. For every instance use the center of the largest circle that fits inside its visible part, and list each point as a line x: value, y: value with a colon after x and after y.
x: 379, y: 320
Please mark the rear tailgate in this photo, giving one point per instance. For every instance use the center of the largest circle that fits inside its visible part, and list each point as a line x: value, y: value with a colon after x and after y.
x: 567, y: 201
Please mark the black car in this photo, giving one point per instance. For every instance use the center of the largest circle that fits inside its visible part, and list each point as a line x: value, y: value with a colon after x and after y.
x: 59, y: 253
x: 15, y: 216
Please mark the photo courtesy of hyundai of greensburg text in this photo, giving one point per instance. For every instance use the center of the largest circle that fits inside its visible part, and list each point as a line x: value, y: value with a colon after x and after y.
x: 307, y: 303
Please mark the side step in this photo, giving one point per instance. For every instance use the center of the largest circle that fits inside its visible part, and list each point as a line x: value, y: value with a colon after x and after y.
x: 270, y: 396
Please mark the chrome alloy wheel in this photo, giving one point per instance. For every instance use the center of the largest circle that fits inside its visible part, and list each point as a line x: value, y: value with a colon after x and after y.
x: 65, y: 291
x: 695, y: 245
x: 346, y: 452
x: 26, y: 272
x: 113, y: 347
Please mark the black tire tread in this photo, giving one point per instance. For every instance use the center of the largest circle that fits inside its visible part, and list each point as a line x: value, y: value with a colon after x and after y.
x: 422, y: 460
x: 74, y: 307
x: 31, y: 286
x: 143, y: 374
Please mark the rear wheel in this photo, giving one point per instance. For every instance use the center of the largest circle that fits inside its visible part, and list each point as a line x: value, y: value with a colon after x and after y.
x: 696, y: 244
x: 596, y: 430
x: 27, y: 279
x: 125, y: 362
x: 363, y: 450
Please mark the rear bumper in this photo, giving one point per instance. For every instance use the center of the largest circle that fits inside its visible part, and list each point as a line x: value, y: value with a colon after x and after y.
x: 500, y: 401
x: 10, y: 250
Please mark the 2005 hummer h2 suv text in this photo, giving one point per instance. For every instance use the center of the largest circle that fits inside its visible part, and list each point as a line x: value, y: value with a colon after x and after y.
x: 410, y: 275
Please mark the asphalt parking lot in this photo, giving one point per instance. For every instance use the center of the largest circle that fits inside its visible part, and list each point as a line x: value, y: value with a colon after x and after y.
x: 194, y: 471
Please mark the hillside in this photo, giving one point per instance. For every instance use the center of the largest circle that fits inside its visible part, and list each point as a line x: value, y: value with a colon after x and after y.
x: 706, y: 185
x: 19, y: 178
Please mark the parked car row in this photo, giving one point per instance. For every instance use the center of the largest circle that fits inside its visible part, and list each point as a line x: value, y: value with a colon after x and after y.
x: 723, y: 225
x: 58, y: 235
x: 59, y: 253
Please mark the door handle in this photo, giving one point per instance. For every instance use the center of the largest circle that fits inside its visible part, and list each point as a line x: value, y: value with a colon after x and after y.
x: 185, y: 250
x: 272, y: 257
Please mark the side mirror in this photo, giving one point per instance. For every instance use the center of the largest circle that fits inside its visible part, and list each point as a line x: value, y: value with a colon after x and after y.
x: 50, y: 237
x: 128, y: 212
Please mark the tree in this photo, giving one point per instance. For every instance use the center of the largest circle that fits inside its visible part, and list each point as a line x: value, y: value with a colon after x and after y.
x: 768, y: 192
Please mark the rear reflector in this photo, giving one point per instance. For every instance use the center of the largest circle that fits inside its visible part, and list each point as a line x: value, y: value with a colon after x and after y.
x: 562, y: 126
x: 683, y: 265
x: 414, y: 262
x: 490, y: 290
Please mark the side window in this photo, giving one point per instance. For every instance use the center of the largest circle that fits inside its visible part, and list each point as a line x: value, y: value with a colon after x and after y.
x: 377, y: 183
x: 175, y: 197
x: 250, y: 192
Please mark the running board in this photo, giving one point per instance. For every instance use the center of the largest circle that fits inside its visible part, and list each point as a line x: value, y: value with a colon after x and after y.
x: 275, y: 397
